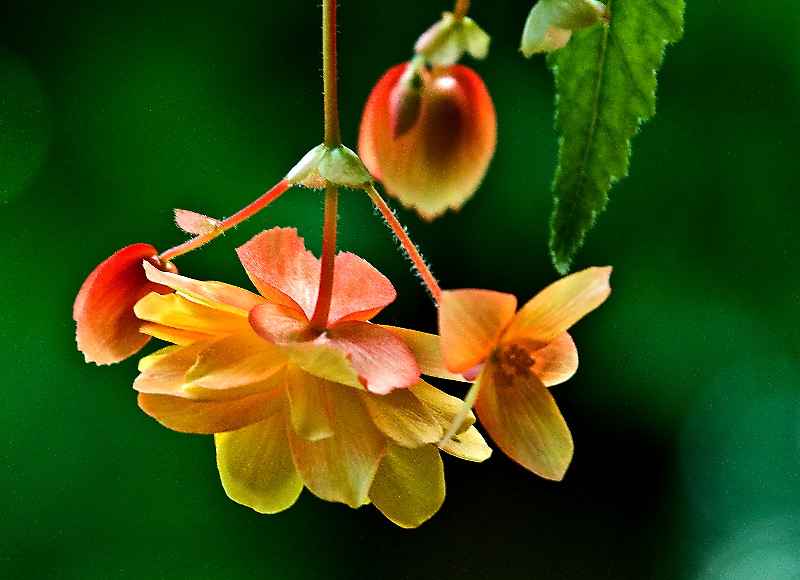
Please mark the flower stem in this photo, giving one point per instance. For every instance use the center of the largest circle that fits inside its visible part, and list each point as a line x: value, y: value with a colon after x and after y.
x: 401, y: 234
x: 227, y: 224
x: 460, y: 10
x: 319, y: 321
x: 329, y: 78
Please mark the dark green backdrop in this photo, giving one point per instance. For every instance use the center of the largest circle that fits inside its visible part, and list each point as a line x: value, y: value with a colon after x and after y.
x: 686, y: 409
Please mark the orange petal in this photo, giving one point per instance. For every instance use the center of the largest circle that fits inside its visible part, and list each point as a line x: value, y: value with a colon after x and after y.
x: 166, y: 374
x: 470, y: 324
x: 440, y: 162
x: 341, y: 468
x: 256, y: 468
x: 359, y: 290
x: 282, y: 269
x: 556, y: 308
x: 382, y: 361
x: 218, y: 295
x: 279, y: 324
x: 403, y: 417
x: 107, y: 329
x: 426, y: 350
x: 521, y: 416
x: 187, y: 416
x: 557, y: 361
x: 409, y: 485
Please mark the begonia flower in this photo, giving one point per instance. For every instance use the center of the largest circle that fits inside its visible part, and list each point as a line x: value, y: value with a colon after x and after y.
x: 515, y: 356
x: 550, y: 23
x: 432, y: 154
x: 291, y: 407
x: 107, y: 329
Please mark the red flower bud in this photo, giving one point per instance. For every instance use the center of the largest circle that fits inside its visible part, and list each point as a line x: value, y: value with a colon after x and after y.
x: 107, y: 328
x: 440, y: 160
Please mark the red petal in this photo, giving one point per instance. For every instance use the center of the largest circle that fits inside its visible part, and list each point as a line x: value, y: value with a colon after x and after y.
x: 359, y: 290
x: 107, y: 328
x: 470, y: 324
x: 440, y: 162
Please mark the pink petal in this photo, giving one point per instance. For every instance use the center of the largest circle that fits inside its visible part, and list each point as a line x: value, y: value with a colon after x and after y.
x: 557, y: 361
x: 215, y: 294
x: 107, y: 328
x: 341, y: 468
x: 470, y: 324
x: 280, y: 324
x: 359, y: 290
x: 556, y: 308
x: 521, y: 416
x: 255, y: 465
x: 383, y: 361
x: 187, y: 416
x: 282, y: 269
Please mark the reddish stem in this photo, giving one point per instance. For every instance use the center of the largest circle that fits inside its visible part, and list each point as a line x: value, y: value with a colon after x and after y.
x: 408, y: 245
x: 319, y: 321
x: 227, y: 224
x: 460, y: 10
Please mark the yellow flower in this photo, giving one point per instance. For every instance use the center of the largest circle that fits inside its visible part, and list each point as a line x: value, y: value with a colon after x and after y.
x: 291, y: 408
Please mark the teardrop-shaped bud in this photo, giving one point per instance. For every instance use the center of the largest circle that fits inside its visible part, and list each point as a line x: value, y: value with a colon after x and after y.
x: 550, y: 23
x: 107, y: 328
x: 405, y: 101
x: 442, y: 159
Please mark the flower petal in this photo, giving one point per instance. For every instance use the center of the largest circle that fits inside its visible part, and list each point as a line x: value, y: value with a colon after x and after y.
x: 426, y: 350
x: 403, y: 417
x: 445, y: 407
x: 359, y: 290
x: 280, y: 324
x: 107, y: 329
x: 282, y: 269
x: 468, y: 445
x: 218, y: 295
x: 341, y: 468
x: 383, y: 361
x: 310, y: 405
x: 556, y: 308
x: 557, y: 361
x: 176, y: 311
x: 167, y: 373
x: 521, y: 416
x: 324, y: 361
x: 187, y: 416
x: 409, y: 485
x: 256, y: 467
x: 470, y: 324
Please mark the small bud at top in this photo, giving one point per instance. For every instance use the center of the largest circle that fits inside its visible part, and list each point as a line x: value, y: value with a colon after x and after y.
x: 550, y: 23
x: 446, y: 41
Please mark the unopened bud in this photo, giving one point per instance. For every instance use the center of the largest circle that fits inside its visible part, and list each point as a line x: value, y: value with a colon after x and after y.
x: 446, y: 41
x: 550, y: 23
x: 405, y: 102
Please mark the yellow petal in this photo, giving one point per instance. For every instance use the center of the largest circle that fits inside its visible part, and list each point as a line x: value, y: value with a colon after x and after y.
x: 323, y: 361
x: 148, y: 360
x: 227, y: 365
x: 173, y: 335
x: 468, y: 445
x: 310, y: 404
x: 409, y: 485
x: 166, y: 373
x: 444, y: 407
x: 403, y: 417
x: 556, y: 308
x: 427, y: 351
x: 256, y: 467
x: 176, y: 311
x: 341, y: 468
x: 470, y: 324
x: 215, y: 294
x: 521, y: 416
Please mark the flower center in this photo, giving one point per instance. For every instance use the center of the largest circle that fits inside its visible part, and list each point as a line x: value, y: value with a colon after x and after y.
x: 515, y: 361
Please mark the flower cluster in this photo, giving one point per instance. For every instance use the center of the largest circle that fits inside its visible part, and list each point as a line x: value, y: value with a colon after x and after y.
x: 296, y: 383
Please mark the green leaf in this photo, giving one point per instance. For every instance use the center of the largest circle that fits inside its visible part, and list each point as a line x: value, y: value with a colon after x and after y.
x: 605, y: 88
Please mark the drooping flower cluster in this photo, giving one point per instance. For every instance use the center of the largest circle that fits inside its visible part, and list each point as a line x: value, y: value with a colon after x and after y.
x: 299, y: 388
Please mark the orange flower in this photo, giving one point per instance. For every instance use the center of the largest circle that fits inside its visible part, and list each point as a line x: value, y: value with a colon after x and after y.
x: 107, y: 329
x: 429, y: 136
x: 292, y: 408
x: 515, y: 356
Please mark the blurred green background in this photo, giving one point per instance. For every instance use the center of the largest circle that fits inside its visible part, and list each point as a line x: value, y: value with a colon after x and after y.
x: 686, y: 409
